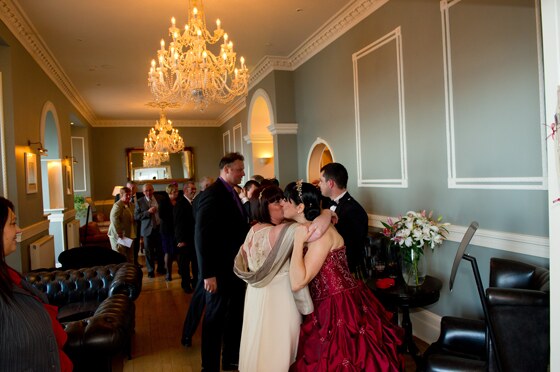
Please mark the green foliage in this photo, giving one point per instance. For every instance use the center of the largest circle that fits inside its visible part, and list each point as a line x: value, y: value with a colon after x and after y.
x: 80, y: 206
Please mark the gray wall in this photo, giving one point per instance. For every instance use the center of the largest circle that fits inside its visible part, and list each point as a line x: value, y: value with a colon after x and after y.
x: 324, y: 99
x: 108, y: 156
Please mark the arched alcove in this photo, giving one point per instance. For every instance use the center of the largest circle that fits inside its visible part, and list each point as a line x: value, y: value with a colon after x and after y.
x: 319, y: 155
x: 262, y: 142
x: 51, y: 165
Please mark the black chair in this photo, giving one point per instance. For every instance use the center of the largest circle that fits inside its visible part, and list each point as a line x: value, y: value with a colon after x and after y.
x: 514, y: 335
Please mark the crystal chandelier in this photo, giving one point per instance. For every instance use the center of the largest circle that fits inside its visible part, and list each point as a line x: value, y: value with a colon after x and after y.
x: 161, y: 141
x: 189, y: 72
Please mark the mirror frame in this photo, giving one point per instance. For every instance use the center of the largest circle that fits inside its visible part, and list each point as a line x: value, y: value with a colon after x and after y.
x: 132, y: 150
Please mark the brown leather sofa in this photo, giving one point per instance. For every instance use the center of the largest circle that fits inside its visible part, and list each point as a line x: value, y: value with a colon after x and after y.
x: 96, y: 307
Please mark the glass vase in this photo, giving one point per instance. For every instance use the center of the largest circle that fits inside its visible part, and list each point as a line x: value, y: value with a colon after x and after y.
x: 413, y: 266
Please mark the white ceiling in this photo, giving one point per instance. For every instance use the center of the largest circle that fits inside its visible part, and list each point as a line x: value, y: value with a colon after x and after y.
x: 99, y: 52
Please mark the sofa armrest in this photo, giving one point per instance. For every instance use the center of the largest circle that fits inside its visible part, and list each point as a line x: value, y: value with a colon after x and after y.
x: 516, y: 297
x: 460, y: 337
x: 103, y: 335
x: 127, y: 280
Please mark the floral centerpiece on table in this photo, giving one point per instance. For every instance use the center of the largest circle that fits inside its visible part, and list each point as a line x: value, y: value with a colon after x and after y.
x: 411, y: 233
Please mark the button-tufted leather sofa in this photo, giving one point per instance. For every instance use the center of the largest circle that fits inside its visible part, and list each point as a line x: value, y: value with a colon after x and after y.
x: 96, y: 307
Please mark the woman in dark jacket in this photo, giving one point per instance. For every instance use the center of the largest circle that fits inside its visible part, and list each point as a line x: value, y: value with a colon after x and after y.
x: 31, y: 338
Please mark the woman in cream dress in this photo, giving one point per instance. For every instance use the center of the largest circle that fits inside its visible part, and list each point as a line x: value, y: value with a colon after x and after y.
x: 271, y: 319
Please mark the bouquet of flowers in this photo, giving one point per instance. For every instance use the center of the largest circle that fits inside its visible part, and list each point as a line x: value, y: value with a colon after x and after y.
x: 411, y: 233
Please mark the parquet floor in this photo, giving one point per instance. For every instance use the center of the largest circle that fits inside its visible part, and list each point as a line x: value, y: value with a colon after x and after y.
x: 160, y: 312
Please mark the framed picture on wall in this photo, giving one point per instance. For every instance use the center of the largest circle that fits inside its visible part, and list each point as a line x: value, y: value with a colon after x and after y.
x: 31, y: 186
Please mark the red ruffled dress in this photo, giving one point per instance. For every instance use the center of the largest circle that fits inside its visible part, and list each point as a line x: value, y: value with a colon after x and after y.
x: 349, y: 330
x: 59, y: 333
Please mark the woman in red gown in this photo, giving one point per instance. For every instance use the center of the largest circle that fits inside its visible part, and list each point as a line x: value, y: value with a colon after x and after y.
x: 349, y: 329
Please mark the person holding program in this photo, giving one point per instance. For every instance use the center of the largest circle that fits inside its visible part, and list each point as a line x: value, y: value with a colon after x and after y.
x: 349, y: 328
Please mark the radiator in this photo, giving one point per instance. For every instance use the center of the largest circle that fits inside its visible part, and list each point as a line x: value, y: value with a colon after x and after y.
x: 42, y: 253
x: 73, y: 234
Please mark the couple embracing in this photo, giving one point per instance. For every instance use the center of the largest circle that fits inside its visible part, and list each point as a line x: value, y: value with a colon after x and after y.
x: 343, y: 324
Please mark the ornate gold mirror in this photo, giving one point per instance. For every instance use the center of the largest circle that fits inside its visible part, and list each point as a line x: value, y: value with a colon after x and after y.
x: 180, y: 167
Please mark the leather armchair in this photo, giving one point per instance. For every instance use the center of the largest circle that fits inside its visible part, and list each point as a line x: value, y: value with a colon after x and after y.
x: 518, y: 307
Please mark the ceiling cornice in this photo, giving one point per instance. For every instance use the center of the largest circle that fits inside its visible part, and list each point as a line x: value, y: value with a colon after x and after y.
x: 23, y: 30
x: 150, y: 123
x: 340, y: 23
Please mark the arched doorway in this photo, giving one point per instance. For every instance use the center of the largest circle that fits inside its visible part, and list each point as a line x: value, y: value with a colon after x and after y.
x: 262, y: 141
x: 320, y: 154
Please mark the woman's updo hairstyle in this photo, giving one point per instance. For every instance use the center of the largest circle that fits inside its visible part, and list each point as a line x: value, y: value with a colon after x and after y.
x: 303, y: 192
x: 261, y: 198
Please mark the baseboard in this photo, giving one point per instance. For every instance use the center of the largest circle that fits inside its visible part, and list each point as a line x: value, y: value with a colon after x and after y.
x: 425, y: 325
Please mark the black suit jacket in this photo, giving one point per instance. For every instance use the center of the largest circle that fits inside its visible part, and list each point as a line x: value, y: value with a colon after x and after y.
x: 353, y: 226
x: 184, y: 221
x: 220, y: 230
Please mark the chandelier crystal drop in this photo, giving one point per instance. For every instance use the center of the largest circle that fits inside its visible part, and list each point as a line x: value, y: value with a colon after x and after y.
x: 187, y: 71
x: 162, y: 140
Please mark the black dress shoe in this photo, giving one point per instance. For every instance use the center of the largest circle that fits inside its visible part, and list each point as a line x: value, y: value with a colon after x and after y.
x: 186, y: 341
x: 151, y: 274
x: 230, y: 366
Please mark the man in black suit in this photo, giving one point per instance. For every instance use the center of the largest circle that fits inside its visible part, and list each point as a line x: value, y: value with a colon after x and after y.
x: 352, y: 218
x: 198, y: 299
x: 146, y: 211
x: 184, y: 235
x: 221, y: 226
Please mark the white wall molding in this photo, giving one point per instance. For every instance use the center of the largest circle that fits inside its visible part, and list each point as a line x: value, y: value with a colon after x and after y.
x: 238, y: 138
x: 530, y: 245
x: 27, y: 35
x: 396, y: 38
x: 30, y: 231
x: 226, y: 142
x: 283, y: 128
x: 233, y: 109
x: 150, y: 123
x: 501, y: 183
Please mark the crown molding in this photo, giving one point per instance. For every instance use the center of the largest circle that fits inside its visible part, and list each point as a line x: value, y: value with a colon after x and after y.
x: 150, y: 123
x: 336, y: 26
x: 233, y: 109
x: 340, y: 23
x: 283, y: 128
x: 27, y: 35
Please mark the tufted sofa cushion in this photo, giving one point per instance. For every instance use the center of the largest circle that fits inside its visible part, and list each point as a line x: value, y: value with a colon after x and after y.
x: 79, y: 292
x: 96, y: 307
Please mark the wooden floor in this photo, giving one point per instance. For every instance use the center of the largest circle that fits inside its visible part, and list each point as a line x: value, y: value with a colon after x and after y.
x: 160, y: 312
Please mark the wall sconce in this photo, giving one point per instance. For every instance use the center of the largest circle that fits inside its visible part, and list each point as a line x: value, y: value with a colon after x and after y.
x: 264, y: 160
x: 71, y: 158
x: 42, y: 151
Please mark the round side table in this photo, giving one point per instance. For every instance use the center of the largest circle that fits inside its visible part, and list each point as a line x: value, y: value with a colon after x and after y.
x: 404, y: 297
